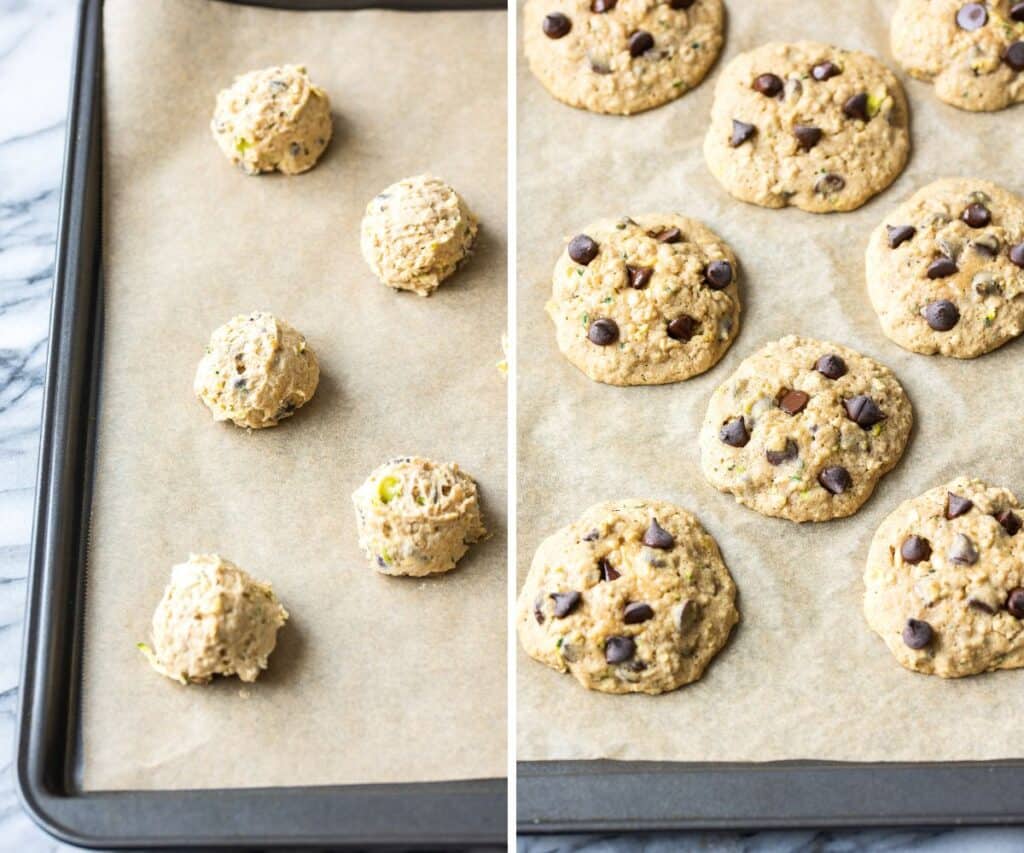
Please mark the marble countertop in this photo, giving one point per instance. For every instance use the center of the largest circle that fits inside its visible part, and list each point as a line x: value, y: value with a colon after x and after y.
x: 35, y: 51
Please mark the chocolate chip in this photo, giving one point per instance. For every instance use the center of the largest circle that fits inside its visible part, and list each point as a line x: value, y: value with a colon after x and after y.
x: 718, y: 275
x: 978, y: 604
x: 734, y: 433
x: 682, y: 328
x: 957, y: 506
x: 917, y: 634
x: 942, y: 268
x: 741, y: 132
x: 831, y: 366
x: 915, y: 549
x: 538, y: 612
x: 639, y: 277
x: 681, y: 4
x: 976, y: 215
x: 962, y: 551
x: 1010, y: 520
x: 1017, y: 254
x: 863, y: 411
x: 1014, y: 56
x: 657, y: 536
x: 637, y: 612
x: 829, y: 183
x: 556, y: 25
x: 899, y: 234
x: 1017, y: 12
x: 640, y: 42
x: 856, y: 107
x: 619, y: 649
x: 973, y: 16
x: 689, y: 615
x: 768, y: 85
x: 807, y: 136
x: 566, y: 603
x: 835, y: 479
x: 592, y: 536
x: 1015, y: 602
x: 793, y: 402
x: 669, y: 235
x: 599, y: 7
x: 599, y: 67
x: 788, y: 453
x: 603, y: 332
x: 942, y: 315
x: 582, y: 249
x: 825, y: 70
x: 608, y: 572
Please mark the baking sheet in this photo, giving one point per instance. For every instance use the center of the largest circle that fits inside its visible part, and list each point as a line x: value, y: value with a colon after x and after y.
x: 375, y: 679
x: 803, y: 676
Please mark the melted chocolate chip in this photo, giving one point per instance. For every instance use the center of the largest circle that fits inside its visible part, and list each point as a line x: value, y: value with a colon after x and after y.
x: 915, y: 549
x: 829, y: 183
x: 1015, y: 602
x: 640, y: 42
x: 657, y: 536
x: 825, y: 70
x: 582, y: 249
x: 856, y: 107
x: 682, y: 328
x: 899, y: 234
x: 669, y: 235
x: 962, y: 551
x: 787, y: 454
x: 942, y: 315
x: 556, y: 25
x: 599, y: 7
x: 566, y: 603
x: 1014, y: 56
x: 637, y: 612
x: 603, y: 332
x: 1017, y: 254
x: 863, y: 411
x: 972, y: 16
x: 718, y: 275
x: 793, y: 402
x: 741, y: 132
x: 1010, y: 521
x: 768, y: 85
x: 608, y: 572
x: 942, y: 268
x: 976, y: 215
x: 619, y: 649
x: 639, y: 277
x: 917, y: 634
x: 957, y: 506
x: 831, y: 366
x: 734, y: 433
x: 807, y: 136
x: 835, y: 479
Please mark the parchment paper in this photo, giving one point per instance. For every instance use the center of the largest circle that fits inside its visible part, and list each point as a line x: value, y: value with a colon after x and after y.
x: 803, y: 677
x: 374, y: 679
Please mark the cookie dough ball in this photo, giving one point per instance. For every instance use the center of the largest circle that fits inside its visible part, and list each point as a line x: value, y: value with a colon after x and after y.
x: 257, y: 370
x: 804, y: 430
x: 273, y: 119
x: 214, y: 619
x: 621, y: 56
x: 416, y: 232
x: 632, y: 598
x: 944, y: 584
x: 417, y: 517
x: 945, y: 271
x: 808, y: 125
x: 645, y: 300
x: 972, y: 52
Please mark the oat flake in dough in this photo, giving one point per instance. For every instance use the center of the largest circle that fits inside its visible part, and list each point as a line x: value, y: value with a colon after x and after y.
x: 214, y: 619
x: 944, y: 583
x: 416, y: 232
x: 632, y: 598
x: 257, y: 370
x: 417, y: 517
x: 271, y: 119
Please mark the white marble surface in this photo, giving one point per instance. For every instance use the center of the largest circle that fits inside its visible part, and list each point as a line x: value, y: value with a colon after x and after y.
x: 35, y: 46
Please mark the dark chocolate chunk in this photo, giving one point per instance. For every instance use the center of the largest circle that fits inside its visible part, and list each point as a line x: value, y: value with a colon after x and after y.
x: 856, y: 107
x: 619, y: 649
x: 962, y: 551
x: 681, y: 4
x: 863, y: 411
x: 972, y: 16
x: 608, y: 572
x: 1015, y: 602
x: 942, y: 268
x: 942, y: 315
x: 768, y: 85
x: 556, y: 25
x: 825, y: 70
x: 566, y: 603
x: 899, y: 234
x: 603, y: 332
x: 835, y: 479
x: 1014, y: 56
x: 741, y: 132
x: 807, y: 136
x: 917, y: 634
x: 915, y: 549
x: 637, y: 612
x: 582, y: 249
x: 682, y: 328
x: 599, y: 7
x: 669, y: 235
x: 829, y: 183
x: 978, y: 604
x: 976, y: 215
x: 1010, y: 520
x: 957, y: 506
x: 639, y: 277
x: 793, y: 402
x: 1017, y: 12
x: 657, y: 536
x: 640, y: 42
x: 787, y: 454
x: 734, y: 433
x: 831, y: 366
x: 718, y: 275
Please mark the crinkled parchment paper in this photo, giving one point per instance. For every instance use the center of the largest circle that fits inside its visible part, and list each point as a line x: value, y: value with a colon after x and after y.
x: 803, y: 676
x: 375, y: 679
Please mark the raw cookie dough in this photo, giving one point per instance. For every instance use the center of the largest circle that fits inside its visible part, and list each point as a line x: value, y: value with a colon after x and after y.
x: 256, y: 371
x: 808, y: 125
x: 804, y: 430
x: 632, y: 598
x: 973, y: 52
x: 944, y: 584
x: 273, y: 119
x: 416, y: 232
x: 645, y: 300
x: 214, y: 619
x: 945, y: 270
x: 417, y: 517
x: 621, y: 57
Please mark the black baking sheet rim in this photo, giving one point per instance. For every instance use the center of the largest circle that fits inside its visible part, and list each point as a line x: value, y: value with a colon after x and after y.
x: 449, y: 814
